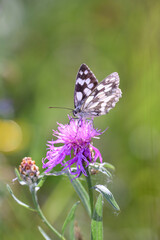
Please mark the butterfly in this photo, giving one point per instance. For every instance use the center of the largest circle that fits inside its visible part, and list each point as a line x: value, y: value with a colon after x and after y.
x: 92, y: 99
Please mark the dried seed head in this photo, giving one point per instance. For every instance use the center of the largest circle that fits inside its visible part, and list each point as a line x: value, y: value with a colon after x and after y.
x: 77, y: 232
x: 92, y: 152
x: 93, y: 171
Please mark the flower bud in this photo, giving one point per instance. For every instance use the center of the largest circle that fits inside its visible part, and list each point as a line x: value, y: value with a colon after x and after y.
x: 28, y: 170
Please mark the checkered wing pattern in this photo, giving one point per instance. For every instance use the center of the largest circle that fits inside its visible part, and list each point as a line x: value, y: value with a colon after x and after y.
x: 104, y: 97
x: 85, y: 83
x: 92, y: 99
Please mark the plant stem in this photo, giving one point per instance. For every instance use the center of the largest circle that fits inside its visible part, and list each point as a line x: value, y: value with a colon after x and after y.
x: 90, y: 190
x: 35, y: 200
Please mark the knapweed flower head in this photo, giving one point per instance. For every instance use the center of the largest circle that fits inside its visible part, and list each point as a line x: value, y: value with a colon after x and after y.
x: 28, y: 170
x: 75, y: 140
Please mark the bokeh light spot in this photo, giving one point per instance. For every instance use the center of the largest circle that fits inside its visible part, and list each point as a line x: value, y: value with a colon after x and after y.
x: 10, y: 135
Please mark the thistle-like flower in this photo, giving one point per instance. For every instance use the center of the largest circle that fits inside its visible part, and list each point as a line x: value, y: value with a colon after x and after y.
x: 28, y: 170
x: 75, y: 139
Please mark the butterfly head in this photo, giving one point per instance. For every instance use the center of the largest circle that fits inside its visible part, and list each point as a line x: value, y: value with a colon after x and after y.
x: 76, y: 112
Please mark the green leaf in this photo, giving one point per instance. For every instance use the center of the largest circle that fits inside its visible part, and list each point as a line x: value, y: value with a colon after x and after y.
x: 41, y: 181
x: 97, y: 221
x: 100, y: 168
x: 71, y: 231
x: 70, y: 218
x: 55, y: 174
x: 18, y: 174
x: 43, y: 233
x: 19, y: 177
x: 107, y: 195
x: 109, y: 165
x: 18, y: 201
x: 83, y: 195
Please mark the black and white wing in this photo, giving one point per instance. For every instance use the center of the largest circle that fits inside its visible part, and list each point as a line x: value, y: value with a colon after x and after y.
x: 103, y: 97
x: 85, y: 83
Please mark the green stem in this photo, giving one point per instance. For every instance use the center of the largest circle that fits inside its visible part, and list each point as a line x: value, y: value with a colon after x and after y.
x: 90, y: 190
x: 35, y: 200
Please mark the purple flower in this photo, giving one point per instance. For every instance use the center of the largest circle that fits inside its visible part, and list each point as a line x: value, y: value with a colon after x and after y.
x: 75, y: 139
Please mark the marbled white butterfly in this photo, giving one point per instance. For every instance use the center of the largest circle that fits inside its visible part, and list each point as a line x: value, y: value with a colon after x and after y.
x: 92, y: 99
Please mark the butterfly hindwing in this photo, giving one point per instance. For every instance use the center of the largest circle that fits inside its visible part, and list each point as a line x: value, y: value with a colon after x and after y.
x: 104, y: 97
x: 85, y: 83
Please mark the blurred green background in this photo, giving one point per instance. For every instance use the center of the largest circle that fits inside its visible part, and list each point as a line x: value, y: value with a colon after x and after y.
x: 42, y: 45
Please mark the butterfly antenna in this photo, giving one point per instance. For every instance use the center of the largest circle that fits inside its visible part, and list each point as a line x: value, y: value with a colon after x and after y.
x: 62, y: 108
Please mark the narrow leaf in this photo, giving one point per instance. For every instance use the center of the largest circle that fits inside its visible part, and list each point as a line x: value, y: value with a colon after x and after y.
x: 43, y: 233
x: 97, y: 223
x: 105, y: 171
x: 18, y: 174
x: 107, y: 195
x: 56, y: 173
x: 71, y: 230
x: 70, y: 217
x: 18, y: 177
x: 108, y: 165
x: 80, y: 190
x: 41, y: 181
x: 18, y: 201
x: 100, y: 168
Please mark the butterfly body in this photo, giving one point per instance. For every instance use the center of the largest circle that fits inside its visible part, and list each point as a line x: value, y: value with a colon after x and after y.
x: 92, y: 99
x: 77, y: 112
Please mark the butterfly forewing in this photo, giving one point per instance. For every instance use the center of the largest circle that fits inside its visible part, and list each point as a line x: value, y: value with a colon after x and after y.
x: 85, y: 83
